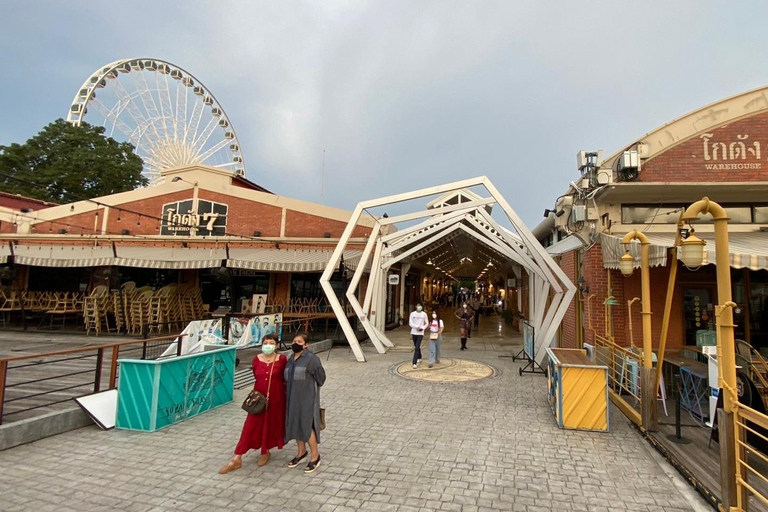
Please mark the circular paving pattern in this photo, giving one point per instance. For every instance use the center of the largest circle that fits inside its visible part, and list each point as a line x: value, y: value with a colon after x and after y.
x: 447, y: 370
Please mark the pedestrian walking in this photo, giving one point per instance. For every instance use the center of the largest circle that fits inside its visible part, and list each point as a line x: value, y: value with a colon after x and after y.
x: 436, y: 327
x: 418, y: 322
x: 265, y: 430
x: 304, y: 375
x: 464, y: 314
x: 476, y: 306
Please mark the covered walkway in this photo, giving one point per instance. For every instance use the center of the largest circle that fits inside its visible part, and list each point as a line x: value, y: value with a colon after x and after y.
x: 458, y: 237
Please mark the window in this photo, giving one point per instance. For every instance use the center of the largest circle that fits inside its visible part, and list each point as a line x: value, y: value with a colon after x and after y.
x: 668, y: 214
x: 307, y: 286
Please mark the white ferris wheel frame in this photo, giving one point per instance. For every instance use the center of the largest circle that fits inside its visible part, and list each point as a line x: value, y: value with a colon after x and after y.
x: 165, y: 124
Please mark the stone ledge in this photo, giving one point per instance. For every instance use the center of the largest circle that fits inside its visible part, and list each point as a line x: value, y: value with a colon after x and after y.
x: 40, y: 427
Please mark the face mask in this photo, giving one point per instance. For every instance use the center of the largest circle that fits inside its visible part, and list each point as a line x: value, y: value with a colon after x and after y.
x: 434, y: 315
x: 297, y: 348
x: 419, y: 308
x: 268, y: 349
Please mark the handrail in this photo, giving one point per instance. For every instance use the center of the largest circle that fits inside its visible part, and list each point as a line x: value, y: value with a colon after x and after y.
x: 747, y: 422
x: 96, y: 351
x: 87, y: 348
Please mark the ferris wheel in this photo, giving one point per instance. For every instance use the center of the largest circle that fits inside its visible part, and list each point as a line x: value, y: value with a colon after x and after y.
x: 169, y: 116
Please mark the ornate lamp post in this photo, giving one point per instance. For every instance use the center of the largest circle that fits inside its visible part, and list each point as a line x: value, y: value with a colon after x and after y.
x: 692, y: 252
x: 647, y: 376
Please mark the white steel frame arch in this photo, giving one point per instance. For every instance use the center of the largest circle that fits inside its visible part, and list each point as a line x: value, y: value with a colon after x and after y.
x: 550, y: 289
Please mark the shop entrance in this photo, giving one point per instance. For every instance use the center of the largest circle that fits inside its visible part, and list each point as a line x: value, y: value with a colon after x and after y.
x: 698, y: 310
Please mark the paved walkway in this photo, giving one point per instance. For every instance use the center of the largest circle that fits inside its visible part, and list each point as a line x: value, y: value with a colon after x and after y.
x: 391, y: 444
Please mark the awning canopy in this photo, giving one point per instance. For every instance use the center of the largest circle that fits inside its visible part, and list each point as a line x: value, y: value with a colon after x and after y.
x: 63, y: 255
x: 169, y: 257
x: 287, y: 260
x: 5, y: 251
x: 613, y: 250
x: 746, y: 249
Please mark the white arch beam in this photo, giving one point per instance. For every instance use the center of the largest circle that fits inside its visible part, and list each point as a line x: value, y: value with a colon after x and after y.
x: 469, y: 218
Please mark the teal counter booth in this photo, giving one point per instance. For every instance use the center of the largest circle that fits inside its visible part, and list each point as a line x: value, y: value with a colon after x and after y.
x: 155, y: 394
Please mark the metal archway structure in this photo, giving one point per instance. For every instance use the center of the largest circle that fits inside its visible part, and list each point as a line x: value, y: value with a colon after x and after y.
x: 169, y: 116
x: 550, y: 289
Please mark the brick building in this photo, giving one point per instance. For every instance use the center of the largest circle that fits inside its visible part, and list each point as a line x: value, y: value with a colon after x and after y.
x: 199, y: 221
x: 719, y: 151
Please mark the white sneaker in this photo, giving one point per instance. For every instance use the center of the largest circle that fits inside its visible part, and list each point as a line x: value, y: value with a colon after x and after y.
x: 415, y: 366
x: 418, y: 361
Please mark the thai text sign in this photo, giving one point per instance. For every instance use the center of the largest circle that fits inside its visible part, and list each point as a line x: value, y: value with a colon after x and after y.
x: 180, y: 219
x: 154, y: 394
x: 724, y: 153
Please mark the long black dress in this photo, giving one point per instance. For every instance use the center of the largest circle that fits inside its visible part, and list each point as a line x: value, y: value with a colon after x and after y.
x: 303, y: 378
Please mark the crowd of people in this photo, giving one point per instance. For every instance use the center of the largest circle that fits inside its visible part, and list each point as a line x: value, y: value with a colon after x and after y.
x: 481, y: 300
x: 467, y: 314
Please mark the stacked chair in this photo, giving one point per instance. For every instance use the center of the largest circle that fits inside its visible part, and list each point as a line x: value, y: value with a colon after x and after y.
x: 96, y: 309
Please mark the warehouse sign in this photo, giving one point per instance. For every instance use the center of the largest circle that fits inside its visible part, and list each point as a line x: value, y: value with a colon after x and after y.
x: 180, y: 219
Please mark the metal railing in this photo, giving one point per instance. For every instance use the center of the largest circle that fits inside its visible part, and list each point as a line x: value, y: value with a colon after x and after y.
x: 623, y: 372
x: 751, y: 429
x: 39, y: 381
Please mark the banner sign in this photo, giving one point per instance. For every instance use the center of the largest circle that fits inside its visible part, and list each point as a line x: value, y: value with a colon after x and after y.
x: 155, y: 394
x: 248, y: 331
x: 528, y: 345
x: 179, y: 219
x: 198, y: 333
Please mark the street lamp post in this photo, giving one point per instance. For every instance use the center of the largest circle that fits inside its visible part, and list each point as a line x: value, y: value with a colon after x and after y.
x: 647, y: 375
x: 693, y: 251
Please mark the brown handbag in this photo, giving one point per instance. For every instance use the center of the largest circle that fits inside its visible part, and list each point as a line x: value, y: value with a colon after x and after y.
x: 255, y: 402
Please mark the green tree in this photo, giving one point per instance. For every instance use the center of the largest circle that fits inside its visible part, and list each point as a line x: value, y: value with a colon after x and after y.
x: 65, y: 163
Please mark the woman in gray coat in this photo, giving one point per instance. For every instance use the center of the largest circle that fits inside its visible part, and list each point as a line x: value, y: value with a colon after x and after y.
x: 304, y: 374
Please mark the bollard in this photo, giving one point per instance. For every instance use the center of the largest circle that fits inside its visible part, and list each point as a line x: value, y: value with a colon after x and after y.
x: 678, y: 437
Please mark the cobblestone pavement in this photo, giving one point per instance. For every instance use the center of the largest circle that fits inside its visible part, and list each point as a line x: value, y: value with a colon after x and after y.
x: 391, y: 444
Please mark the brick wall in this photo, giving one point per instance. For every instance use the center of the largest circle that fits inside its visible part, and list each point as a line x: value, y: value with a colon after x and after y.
x: 624, y: 289
x: 243, y: 218
x: 569, y: 325
x: 298, y: 224
x: 701, y: 158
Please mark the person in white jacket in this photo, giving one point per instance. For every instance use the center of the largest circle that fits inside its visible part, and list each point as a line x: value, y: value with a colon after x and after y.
x: 418, y: 322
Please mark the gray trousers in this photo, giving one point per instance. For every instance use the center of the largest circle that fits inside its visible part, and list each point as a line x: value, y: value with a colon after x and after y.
x: 435, y: 348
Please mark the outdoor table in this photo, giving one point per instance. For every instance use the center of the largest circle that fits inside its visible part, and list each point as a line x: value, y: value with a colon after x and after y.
x: 693, y: 376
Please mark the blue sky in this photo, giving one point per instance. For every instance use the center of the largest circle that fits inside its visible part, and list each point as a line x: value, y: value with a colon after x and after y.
x: 401, y: 95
